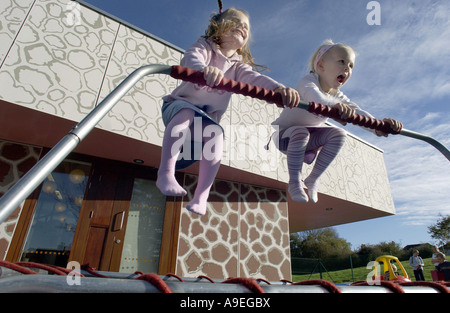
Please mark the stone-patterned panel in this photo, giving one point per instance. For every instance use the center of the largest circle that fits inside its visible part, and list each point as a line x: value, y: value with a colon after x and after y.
x: 354, y: 172
x: 245, y: 233
x: 12, y: 15
x: 57, y: 63
x: 138, y: 114
x: 209, y: 245
x: 378, y: 182
x: 225, y: 122
x: 264, y: 241
x: 15, y: 161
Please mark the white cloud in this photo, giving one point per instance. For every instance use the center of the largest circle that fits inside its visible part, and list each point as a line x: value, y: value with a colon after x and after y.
x: 442, y: 89
x: 419, y: 178
x: 403, y: 61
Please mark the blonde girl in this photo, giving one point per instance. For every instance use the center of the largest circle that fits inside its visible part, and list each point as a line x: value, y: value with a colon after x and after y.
x: 222, y: 52
x: 303, y: 136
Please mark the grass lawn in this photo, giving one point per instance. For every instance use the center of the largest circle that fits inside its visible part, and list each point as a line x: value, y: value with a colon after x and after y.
x: 360, y: 273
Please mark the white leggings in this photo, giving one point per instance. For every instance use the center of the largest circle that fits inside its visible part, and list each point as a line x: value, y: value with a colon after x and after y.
x: 298, y: 140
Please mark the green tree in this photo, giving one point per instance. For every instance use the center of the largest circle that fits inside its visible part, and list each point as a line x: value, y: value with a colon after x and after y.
x: 319, y: 243
x: 441, y: 230
x: 390, y: 248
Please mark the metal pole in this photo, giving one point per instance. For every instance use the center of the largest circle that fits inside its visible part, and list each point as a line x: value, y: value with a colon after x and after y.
x: 36, y: 175
x: 351, y: 266
x: 59, y: 284
x: 430, y: 140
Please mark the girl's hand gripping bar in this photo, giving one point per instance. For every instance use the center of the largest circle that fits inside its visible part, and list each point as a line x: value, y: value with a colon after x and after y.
x: 229, y: 85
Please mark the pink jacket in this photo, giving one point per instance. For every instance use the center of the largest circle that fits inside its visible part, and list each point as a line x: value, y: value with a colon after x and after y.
x: 215, y: 102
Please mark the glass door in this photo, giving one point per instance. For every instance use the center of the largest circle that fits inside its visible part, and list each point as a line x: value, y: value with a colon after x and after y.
x: 56, y: 214
x: 142, y: 243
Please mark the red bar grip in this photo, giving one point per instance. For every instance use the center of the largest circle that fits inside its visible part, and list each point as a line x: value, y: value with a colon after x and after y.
x: 196, y: 77
x: 360, y: 120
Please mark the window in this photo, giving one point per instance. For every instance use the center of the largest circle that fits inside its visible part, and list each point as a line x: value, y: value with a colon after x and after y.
x: 55, y: 218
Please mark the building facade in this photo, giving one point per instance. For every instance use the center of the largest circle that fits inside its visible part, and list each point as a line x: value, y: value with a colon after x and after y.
x: 61, y: 58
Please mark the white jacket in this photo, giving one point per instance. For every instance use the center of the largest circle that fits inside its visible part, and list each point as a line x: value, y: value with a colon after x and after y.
x: 310, y: 91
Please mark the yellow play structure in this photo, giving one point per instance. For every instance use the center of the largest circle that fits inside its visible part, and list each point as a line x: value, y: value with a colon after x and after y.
x: 392, y: 269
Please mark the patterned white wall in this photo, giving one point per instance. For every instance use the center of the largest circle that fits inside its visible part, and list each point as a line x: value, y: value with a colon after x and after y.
x: 138, y: 115
x: 56, y: 65
x: 12, y: 15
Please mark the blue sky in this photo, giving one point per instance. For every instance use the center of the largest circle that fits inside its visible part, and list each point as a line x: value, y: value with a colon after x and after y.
x: 401, y: 71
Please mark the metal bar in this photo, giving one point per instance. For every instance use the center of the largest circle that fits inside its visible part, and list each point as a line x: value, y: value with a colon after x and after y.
x: 428, y: 139
x: 230, y: 85
x: 62, y: 284
x: 36, y: 175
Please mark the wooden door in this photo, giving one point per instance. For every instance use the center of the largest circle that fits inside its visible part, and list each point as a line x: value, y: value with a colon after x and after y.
x: 100, y: 231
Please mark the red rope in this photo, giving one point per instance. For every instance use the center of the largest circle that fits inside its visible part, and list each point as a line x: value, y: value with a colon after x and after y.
x: 358, y: 283
x: 176, y: 276
x: 246, y: 282
x: 263, y: 280
x: 156, y: 281
x: 67, y: 271
x: 16, y: 267
x: 92, y: 271
x: 206, y: 277
x: 330, y: 287
x: 48, y: 268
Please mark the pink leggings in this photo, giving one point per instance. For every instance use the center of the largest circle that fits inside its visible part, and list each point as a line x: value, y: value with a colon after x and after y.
x: 212, y: 138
